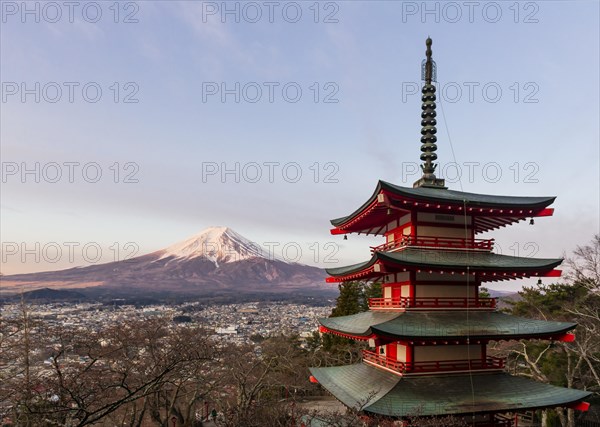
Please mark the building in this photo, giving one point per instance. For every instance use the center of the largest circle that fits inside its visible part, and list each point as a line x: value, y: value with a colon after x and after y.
x: 428, y: 333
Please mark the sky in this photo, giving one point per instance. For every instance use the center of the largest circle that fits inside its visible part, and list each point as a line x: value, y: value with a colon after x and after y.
x: 128, y: 126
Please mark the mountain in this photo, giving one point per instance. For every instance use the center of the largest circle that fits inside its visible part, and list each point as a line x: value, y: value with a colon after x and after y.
x: 217, y: 244
x: 502, y: 294
x: 215, y: 261
x: 49, y: 295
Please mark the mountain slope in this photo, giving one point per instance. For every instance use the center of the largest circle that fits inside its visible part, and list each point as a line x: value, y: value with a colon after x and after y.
x: 216, y: 260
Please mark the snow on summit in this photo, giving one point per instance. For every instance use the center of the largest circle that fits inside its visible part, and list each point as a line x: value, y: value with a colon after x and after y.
x: 218, y: 244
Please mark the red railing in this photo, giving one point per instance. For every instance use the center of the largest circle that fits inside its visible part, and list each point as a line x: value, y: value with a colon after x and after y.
x: 436, y: 242
x: 435, y: 366
x: 432, y: 302
x: 456, y: 365
x: 380, y: 360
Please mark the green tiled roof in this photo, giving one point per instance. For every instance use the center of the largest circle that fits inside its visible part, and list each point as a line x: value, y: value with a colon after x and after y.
x: 358, y: 324
x: 451, y: 196
x: 430, y: 325
x: 353, y: 385
x: 436, y: 258
x: 373, y: 390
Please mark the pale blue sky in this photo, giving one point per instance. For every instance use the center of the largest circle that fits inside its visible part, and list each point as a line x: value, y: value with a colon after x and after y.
x: 371, y: 60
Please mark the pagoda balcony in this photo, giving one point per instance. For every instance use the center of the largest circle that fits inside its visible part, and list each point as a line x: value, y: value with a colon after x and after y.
x: 407, y: 368
x: 432, y: 303
x: 433, y: 242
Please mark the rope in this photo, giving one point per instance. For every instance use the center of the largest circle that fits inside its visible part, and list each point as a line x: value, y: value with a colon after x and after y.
x: 468, y: 267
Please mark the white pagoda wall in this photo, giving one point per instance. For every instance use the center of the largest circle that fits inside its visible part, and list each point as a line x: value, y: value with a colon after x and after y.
x: 397, y: 223
x: 444, y: 219
x: 446, y: 352
x: 456, y: 278
x: 447, y: 291
x: 430, y: 231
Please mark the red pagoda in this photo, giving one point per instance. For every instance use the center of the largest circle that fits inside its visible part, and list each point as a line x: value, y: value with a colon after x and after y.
x: 429, y: 331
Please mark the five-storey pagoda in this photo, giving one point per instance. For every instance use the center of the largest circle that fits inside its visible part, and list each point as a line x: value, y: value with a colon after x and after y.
x: 429, y: 331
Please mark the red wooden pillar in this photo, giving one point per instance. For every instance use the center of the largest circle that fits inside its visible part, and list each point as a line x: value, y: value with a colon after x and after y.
x: 391, y: 351
x: 396, y: 293
x: 411, y: 289
x: 409, y: 356
x: 413, y: 223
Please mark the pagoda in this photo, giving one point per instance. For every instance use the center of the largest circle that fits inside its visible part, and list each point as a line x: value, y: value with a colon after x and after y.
x: 428, y: 332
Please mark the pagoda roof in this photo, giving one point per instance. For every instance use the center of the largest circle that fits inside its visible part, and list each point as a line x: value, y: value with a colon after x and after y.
x: 491, y: 266
x: 373, y: 390
x: 490, y: 211
x: 443, y: 325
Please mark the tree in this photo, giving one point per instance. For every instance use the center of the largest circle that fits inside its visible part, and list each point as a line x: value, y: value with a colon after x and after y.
x: 353, y: 299
x: 584, y: 265
x: 19, y: 377
x: 263, y: 383
x: 577, y: 300
x: 484, y: 292
x: 370, y: 290
x: 182, y: 394
x: 349, y: 301
x: 88, y: 376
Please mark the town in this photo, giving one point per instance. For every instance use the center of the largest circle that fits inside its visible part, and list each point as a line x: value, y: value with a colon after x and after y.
x: 233, y: 323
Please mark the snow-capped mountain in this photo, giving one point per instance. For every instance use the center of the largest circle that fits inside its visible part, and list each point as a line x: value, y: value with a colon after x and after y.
x: 215, y: 261
x: 219, y: 245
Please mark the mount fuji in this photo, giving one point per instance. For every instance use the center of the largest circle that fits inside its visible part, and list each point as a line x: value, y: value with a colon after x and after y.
x: 216, y: 261
x: 217, y: 244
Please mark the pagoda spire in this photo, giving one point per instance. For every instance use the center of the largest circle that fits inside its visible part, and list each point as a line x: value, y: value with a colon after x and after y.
x: 428, y: 122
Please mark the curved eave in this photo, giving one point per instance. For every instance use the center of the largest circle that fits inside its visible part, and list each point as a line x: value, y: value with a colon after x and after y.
x: 355, y: 385
x: 339, y: 222
x: 489, y: 266
x: 369, y: 389
x: 443, y: 326
x: 354, y: 269
x: 356, y: 326
x: 490, y: 211
x: 471, y: 335
x: 435, y: 195
x: 453, y: 395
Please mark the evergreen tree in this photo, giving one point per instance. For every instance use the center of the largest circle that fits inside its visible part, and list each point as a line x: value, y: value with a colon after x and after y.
x: 371, y: 290
x: 350, y: 300
x: 353, y: 299
x: 484, y: 292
